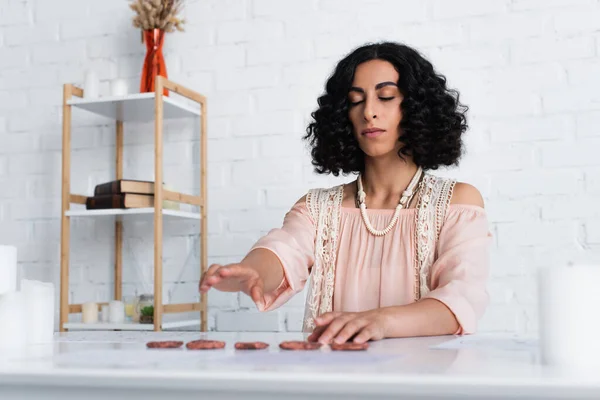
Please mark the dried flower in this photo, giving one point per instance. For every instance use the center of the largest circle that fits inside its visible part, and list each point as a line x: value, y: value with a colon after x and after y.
x: 157, y: 14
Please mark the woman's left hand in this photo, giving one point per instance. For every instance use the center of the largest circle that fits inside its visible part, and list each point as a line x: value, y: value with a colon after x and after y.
x: 339, y: 327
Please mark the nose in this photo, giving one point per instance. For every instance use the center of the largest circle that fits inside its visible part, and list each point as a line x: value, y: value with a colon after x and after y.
x: 369, y: 112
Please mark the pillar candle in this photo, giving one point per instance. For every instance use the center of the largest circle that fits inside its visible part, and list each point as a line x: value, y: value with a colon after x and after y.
x: 90, y: 312
x: 569, y: 300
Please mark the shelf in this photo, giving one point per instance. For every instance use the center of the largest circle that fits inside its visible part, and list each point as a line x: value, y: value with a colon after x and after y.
x: 145, y: 108
x: 131, y: 211
x: 127, y: 326
x: 107, y: 326
x: 137, y: 107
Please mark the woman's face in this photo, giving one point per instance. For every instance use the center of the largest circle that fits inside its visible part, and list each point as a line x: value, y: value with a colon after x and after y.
x: 375, y: 108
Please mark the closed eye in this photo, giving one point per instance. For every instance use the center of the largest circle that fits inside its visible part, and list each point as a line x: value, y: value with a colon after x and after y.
x: 355, y: 103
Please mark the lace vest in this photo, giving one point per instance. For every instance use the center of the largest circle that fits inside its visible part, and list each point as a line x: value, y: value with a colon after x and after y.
x: 324, y: 206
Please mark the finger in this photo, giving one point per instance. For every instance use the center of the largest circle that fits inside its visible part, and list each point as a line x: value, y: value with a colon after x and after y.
x: 334, y: 328
x: 316, y: 333
x: 209, y: 283
x: 268, y: 298
x: 349, y: 330
x: 256, y: 293
x: 222, y: 272
x: 326, y: 318
x: 364, y: 335
x: 321, y: 323
x: 213, y: 280
x: 203, y: 286
x: 210, y: 271
x: 233, y: 270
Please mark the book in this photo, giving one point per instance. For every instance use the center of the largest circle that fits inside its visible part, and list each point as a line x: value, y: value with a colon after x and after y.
x: 123, y: 200
x: 122, y: 186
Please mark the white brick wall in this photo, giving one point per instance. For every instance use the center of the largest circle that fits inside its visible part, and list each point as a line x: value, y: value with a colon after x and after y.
x: 532, y: 89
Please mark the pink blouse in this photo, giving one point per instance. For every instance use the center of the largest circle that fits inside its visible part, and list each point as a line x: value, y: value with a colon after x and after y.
x: 374, y: 272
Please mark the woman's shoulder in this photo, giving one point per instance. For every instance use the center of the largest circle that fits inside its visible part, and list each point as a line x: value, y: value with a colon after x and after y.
x: 466, y: 194
x: 460, y: 193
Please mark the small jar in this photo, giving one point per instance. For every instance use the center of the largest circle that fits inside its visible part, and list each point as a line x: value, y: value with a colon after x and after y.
x: 129, y: 302
x: 145, y: 308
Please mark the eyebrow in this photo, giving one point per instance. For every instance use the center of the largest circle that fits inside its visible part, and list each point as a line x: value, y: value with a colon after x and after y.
x: 377, y: 87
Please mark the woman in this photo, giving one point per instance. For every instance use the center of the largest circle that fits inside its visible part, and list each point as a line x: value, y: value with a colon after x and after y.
x: 398, y: 252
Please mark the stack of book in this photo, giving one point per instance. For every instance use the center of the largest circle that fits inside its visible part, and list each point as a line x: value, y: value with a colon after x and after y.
x: 123, y: 193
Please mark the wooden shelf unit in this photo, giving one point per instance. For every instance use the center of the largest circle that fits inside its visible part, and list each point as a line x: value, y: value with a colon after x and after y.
x: 135, y: 108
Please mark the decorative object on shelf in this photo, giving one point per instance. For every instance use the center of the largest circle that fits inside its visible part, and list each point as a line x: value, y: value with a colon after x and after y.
x: 135, y: 317
x: 147, y: 315
x: 154, y: 62
x: 155, y: 18
x: 121, y: 186
x: 127, y: 200
x: 126, y: 193
x: 118, y: 87
x: 89, y: 312
x: 91, y: 86
x: 146, y: 308
x: 130, y: 304
x: 116, y: 311
x: 105, y: 313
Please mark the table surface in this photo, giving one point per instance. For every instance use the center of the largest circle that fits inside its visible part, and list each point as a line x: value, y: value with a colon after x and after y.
x: 101, y: 364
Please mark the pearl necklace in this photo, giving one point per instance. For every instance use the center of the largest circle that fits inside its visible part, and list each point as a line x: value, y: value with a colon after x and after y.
x: 408, y: 193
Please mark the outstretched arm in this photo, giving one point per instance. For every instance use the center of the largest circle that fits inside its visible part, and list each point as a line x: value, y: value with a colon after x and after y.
x: 275, y: 268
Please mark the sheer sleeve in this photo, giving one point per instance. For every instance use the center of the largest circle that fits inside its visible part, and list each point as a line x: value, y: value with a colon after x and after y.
x: 294, y: 245
x: 460, y: 272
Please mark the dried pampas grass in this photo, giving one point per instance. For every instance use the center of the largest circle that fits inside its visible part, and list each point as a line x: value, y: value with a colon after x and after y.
x: 157, y: 14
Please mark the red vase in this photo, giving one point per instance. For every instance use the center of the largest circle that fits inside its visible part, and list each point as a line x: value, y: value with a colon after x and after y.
x: 154, y: 63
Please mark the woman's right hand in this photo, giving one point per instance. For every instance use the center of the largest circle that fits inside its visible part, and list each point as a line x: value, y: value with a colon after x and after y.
x: 234, y: 278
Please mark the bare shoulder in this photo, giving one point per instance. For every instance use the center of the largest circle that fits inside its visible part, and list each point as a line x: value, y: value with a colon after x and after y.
x: 467, y: 194
x: 301, y: 200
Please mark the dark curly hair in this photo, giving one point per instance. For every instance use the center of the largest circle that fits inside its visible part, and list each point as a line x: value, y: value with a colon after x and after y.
x: 432, y: 124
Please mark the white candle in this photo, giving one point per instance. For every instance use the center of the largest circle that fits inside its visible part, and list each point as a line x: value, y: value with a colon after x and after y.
x: 116, y: 311
x: 12, y: 318
x: 8, y: 269
x: 91, y: 85
x: 568, y: 309
x: 39, y: 310
x: 104, y: 313
x: 90, y: 313
x: 118, y: 87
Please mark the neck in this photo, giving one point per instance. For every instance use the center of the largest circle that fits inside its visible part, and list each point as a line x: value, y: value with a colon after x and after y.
x: 387, y: 178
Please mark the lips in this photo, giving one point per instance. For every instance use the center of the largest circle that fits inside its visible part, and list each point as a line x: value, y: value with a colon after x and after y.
x: 372, y: 132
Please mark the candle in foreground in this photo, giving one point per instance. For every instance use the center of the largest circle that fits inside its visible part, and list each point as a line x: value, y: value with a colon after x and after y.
x: 569, y: 300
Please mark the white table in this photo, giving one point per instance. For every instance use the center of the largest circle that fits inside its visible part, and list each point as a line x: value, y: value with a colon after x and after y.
x: 113, y: 365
